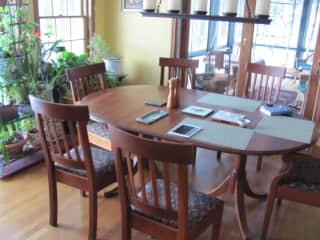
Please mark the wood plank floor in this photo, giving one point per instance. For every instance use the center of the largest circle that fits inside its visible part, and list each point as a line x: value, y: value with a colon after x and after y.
x: 24, y: 207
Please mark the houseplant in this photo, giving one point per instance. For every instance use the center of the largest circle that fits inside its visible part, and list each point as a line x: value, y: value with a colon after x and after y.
x: 14, y: 32
x: 11, y: 141
x: 99, y: 50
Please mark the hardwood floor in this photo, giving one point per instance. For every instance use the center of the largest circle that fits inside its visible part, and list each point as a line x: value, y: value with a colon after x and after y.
x: 24, y: 207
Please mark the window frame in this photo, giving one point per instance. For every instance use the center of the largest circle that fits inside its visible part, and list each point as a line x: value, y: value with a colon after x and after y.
x: 300, y: 48
x: 88, y: 16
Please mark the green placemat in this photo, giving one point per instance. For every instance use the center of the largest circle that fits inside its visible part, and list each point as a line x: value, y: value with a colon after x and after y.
x: 242, y: 104
x: 221, y: 134
x: 287, y: 128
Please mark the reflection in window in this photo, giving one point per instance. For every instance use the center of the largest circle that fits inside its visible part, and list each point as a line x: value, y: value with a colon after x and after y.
x: 276, y: 43
x: 290, y: 37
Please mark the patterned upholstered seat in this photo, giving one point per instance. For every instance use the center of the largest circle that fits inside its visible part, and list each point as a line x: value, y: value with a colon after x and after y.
x: 199, y: 204
x: 103, y: 164
x: 97, y: 128
x: 305, y: 175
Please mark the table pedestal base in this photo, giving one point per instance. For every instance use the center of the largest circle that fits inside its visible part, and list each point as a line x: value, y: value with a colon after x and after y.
x: 238, y: 184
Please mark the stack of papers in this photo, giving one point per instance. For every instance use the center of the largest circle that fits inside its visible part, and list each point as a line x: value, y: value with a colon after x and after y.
x: 197, y: 111
x: 231, y: 118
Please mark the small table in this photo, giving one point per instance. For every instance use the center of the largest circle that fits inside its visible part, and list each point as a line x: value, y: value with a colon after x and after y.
x: 121, y: 106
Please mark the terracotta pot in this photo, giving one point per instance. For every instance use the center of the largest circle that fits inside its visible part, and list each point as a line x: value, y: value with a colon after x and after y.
x: 8, y: 113
x: 18, y: 146
x: 34, y: 139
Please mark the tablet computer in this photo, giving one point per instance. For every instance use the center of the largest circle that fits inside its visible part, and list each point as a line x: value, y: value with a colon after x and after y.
x: 184, y: 130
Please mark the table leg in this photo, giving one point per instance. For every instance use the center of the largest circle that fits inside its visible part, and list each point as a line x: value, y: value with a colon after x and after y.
x: 238, y: 184
x: 238, y: 193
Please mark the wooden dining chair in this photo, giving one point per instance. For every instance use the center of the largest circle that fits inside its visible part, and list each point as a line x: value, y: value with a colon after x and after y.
x: 85, y: 80
x: 264, y: 83
x: 68, y: 156
x: 299, y: 181
x: 161, y: 207
x: 299, y: 178
x: 181, y: 68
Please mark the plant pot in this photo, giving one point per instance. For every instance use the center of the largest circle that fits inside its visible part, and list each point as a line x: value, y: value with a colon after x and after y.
x: 18, y: 61
x: 8, y: 113
x: 17, y: 146
x: 34, y: 139
x: 113, y: 65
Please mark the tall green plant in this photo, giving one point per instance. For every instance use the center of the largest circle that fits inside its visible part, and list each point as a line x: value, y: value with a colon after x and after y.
x: 15, y: 31
x: 3, y: 148
x: 99, y: 49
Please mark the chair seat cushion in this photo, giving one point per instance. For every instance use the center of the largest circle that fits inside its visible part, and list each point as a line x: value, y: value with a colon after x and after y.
x: 97, y: 128
x: 103, y: 164
x: 304, y: 176
x: 199, y: 204
x: 301, y: 186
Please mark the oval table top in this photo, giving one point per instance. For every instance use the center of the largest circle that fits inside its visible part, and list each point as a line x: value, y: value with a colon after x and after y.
x: 122, y: 105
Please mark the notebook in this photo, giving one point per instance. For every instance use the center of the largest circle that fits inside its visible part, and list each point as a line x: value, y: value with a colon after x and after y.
x: 275, y: 109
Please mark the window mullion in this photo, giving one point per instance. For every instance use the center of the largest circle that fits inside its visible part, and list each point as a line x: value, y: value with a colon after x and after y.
x: 305, y: 18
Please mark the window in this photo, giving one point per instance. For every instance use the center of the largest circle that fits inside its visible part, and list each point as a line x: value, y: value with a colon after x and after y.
x: 68, y: 20
x: 199, y: 30
x: 277, y: 43
x: 290, y: 38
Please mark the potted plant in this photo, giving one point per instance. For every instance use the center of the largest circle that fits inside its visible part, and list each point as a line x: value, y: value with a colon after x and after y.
x: 28, y: 125
x: 11, y: 142
x: 59, y: 83
x: 99, y: 50
x: 14, y: 34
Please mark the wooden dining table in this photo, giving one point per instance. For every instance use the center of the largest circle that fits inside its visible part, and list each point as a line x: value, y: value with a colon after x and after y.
x: 122, y: 105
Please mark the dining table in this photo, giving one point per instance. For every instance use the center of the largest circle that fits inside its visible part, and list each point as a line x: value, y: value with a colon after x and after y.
x: 263, y: 135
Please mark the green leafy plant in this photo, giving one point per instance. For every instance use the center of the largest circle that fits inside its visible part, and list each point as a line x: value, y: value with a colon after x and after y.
x: 3, y: 148
x: 99, y: 50
x: 16, y: 32
x: 65, y: 60
x: 98, y: 47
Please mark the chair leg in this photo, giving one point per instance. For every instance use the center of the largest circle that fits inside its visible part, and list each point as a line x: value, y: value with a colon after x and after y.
x: 83, y: 193
x: 268, y: 214
x: 125, y: 226
x: 279, y: 202
x: 219, y: 155
x: 112, y: 192
x: 259, y: 164
x: 92, y: 216
x: 53, y: 202
x: 217, y: 225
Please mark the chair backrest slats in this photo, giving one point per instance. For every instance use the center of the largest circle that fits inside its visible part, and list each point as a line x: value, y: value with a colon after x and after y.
x: 264, y: 82
x: 166, y: 175
x: 181, y: 68
x: 130, y: 173
x: 155, y: 195
x: 65, y: 141
x: 142, y: 178
x: 56, y: 125
x: 85, y: 80
x: 155, y: 190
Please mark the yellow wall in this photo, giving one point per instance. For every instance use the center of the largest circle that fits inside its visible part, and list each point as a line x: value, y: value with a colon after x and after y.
x: 139, y: 40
